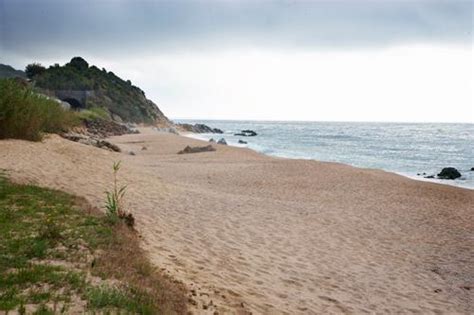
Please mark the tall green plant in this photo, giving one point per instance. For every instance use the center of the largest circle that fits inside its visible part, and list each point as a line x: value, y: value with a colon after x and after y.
x: 28, y: 115
x: 114, y: 201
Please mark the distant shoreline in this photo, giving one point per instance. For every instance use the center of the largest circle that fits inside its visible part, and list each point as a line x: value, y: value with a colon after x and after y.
x: 451, y: 183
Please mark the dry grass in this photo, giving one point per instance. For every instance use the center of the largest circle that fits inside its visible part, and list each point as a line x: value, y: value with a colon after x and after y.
x: 124, y: 260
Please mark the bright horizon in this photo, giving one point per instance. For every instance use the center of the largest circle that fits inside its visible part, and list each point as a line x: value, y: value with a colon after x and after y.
x: 393, y: 61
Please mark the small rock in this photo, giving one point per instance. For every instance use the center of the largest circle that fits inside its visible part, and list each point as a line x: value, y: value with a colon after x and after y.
x: 144, y: 148
x: 204, y: 307
x: 429, y: 176
x: 212, y: 140
x: 192, y: 301
x: 437, y: 290
x: 472, y: 169
x: 242, y: 142
x: 131, y: 153
x: 222, y: 141
x: 449, y: 173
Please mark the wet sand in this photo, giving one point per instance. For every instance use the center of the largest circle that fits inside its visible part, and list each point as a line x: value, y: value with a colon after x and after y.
x: 265, y: 235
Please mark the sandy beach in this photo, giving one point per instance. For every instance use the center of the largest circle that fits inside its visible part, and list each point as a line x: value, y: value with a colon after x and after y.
x: 252, y: 233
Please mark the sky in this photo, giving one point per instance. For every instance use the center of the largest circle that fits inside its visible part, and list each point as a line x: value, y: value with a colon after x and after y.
x: 352, y: 60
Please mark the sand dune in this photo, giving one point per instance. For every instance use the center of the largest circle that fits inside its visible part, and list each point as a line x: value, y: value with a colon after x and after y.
x: 276, y: 236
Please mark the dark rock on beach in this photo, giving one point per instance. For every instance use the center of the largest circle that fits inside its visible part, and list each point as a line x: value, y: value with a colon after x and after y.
x: 87, y: 140
x: 107, y: 145
x: 246, y: 133
x: 199, y: 128
x: 188, y: 149
x: 430, y: 176
x: 222, y: 141
x: 242, y: 142
x: 449, y: 173
x: 106, y: 128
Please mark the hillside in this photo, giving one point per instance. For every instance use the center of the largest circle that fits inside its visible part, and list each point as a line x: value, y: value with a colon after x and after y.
x: 7, y: 71
x: 88, y: 86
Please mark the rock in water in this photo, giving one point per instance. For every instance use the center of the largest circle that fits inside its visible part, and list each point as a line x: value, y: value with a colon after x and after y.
x: 222, y: 141
x: 246, y: 133
x: 472, y: 169
x: 242, y: 142
x: 449, y: 173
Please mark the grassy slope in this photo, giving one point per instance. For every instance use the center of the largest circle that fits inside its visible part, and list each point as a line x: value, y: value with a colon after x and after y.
x: 57, y: 256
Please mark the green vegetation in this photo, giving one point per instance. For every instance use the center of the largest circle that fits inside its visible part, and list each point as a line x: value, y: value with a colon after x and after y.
x: 94, y: 113
x: 118, y: 96
x: 114, y: 203
x: 34, y: 69
x: 56, y: 257
x: 27, y: 115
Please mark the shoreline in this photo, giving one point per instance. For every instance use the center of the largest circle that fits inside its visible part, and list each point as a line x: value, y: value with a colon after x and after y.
x: 447, y: 182
x: 255, y: 233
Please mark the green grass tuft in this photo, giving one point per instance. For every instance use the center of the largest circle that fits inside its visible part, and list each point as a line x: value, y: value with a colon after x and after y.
x: 94, y: 113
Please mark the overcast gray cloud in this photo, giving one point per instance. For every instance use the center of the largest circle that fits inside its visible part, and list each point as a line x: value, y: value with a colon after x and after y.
x: 52, y: 27
x: 407, y: 60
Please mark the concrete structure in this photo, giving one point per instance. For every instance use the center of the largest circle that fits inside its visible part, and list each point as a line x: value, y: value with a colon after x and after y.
x: 76, y: 98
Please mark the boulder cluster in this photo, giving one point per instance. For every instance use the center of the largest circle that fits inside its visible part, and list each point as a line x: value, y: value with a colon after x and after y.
x: 199, y: 128
x: 220, y: 141
x: 87, y: 140
x: 446, y: 173
x: 106, y: 128
x: 93, y: 133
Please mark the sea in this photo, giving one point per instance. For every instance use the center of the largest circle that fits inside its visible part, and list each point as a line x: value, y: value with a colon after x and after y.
x: 415, y: 150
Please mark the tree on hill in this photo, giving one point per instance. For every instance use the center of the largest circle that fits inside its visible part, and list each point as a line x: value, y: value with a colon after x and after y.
x: 34, y: 69
x: 78, y: 63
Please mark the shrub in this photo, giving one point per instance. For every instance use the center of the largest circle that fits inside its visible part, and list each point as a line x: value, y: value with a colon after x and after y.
x: 94, y: 113
x: 27, y: 115
x: 34, y: 69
